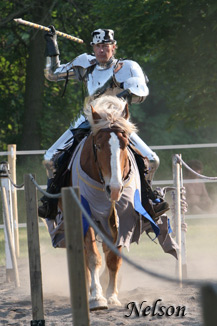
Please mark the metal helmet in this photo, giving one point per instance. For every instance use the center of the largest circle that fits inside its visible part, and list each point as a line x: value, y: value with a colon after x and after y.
x: 103, y: 36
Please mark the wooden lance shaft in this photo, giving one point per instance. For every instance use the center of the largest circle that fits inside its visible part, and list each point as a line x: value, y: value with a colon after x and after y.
x: 27, y: 23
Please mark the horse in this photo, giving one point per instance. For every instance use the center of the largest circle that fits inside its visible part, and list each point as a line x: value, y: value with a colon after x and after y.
x: 104, y: 168
x: 103, y: 165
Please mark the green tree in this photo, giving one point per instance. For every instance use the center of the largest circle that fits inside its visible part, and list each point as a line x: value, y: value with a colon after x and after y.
x: 175, y: 42
x: 33, y: 113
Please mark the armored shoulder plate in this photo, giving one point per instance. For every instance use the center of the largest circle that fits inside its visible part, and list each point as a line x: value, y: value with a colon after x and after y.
x: 84, y: 60
x: 130, y: 75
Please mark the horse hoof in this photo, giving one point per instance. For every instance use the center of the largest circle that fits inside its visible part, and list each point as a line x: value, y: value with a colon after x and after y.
x: 113, y: 300
x: 98, y: 304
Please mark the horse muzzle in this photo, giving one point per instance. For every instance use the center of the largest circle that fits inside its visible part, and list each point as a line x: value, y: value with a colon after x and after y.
x: 114, y: 192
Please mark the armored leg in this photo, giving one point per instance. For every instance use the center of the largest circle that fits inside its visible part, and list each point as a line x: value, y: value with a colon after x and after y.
x: 151, y: 200
x: 56, y: 165
x: 49, y: 205
x: 146, y: 151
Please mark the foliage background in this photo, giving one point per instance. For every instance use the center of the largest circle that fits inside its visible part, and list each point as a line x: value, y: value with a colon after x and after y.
x: 173, y: 41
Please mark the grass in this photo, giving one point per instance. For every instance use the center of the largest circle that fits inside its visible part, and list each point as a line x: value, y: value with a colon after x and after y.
x: 200, y: 238
x: 25, y: 165
x: 44, y: 240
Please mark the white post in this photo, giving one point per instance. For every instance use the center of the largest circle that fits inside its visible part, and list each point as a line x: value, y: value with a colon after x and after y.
x: 176, y: 171
x: 12, y: 167
x: 7, y: 185
x: 10, y: 240
x: 183, y: 231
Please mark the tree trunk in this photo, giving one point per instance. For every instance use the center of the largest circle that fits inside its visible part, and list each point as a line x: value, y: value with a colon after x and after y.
x: 33, y: 103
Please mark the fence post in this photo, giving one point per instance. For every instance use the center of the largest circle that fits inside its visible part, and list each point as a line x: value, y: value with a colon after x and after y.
x: 10, y: 239
x: 183, y: 232
x: 7, y: 185
x: 34, y: 252
x: 75, y: 255
x: 176, y: 179
x: 209, y: 304
x: 12, y: 166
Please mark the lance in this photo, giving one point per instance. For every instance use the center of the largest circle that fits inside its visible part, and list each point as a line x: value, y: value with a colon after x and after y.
x: 41, y: 27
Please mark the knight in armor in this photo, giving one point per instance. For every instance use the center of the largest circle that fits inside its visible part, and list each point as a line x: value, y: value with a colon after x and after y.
x: 102, y: 74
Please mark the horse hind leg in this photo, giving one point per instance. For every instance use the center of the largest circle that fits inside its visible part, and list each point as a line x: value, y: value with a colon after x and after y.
x: 113, y: 263
x: 94, y: 261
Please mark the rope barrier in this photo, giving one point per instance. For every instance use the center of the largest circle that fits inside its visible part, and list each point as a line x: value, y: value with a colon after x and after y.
x: 5, y: 172
x: 15, y: 185
x: 115, y: 250
x: 108, y: 242
x: 125, y: 258
x: 179, y: 159
x: 42, y: 191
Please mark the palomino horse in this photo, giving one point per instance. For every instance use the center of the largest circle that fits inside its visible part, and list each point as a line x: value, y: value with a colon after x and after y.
x: 104, y: 168
x: 106, y: 172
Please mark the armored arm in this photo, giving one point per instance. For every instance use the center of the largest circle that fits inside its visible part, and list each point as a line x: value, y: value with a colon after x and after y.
x: 54, y: 71
x: 75, y: 69
x: 132, y: 80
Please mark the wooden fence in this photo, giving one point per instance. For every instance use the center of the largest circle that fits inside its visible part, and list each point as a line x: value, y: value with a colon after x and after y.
x: 76, y: 264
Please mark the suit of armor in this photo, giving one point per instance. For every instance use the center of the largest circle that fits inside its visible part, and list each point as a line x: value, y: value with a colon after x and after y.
x: 107, y: 76
x: 115, y: 77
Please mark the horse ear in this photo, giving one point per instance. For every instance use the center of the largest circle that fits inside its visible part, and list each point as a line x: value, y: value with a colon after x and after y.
x: 126, y: 112
x: 95, y: 115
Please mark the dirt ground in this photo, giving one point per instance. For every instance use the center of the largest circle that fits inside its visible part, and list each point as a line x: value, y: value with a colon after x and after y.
x: 15, y: 303
x: 134, y: 286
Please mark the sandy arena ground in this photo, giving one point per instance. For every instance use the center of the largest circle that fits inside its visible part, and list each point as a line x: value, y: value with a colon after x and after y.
x: 15, y: 303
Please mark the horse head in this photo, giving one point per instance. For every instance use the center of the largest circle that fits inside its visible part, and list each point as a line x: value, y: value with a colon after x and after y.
x: 109, y: 119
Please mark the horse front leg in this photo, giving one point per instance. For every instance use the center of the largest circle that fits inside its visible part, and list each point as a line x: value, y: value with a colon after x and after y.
x: 113, y: 263
x: 94, y: 261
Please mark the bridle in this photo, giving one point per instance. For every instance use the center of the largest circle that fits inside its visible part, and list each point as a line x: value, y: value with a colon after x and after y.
x: 112, y: 129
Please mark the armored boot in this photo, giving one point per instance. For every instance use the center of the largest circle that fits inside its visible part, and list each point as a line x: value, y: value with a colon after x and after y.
x: 58, y: 177
x: 152, y: 201
x: 48, y: 209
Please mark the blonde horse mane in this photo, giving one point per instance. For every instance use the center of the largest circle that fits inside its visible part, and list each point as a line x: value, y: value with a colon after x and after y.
x: 111, y: 110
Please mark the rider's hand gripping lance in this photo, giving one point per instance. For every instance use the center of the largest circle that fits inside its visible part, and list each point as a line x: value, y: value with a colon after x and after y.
x: 27, y: 23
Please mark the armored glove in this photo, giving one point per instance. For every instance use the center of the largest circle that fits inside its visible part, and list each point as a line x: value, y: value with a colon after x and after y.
x: 51, y: 43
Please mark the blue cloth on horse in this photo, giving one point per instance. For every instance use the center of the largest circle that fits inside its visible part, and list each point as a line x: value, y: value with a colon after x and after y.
x: 86, y: 206
x: 141, y: 210
x: 169, y: 226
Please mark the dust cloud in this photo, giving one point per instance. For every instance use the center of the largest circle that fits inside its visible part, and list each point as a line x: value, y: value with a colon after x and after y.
x: 201, y: 259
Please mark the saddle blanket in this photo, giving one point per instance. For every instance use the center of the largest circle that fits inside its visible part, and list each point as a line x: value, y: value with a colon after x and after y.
x: 131, y: 219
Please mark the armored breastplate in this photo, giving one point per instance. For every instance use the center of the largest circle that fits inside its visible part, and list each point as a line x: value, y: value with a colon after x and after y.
x: 100, y: 79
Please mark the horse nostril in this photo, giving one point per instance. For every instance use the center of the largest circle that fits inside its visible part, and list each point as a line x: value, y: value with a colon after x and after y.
x: 108, y: 189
